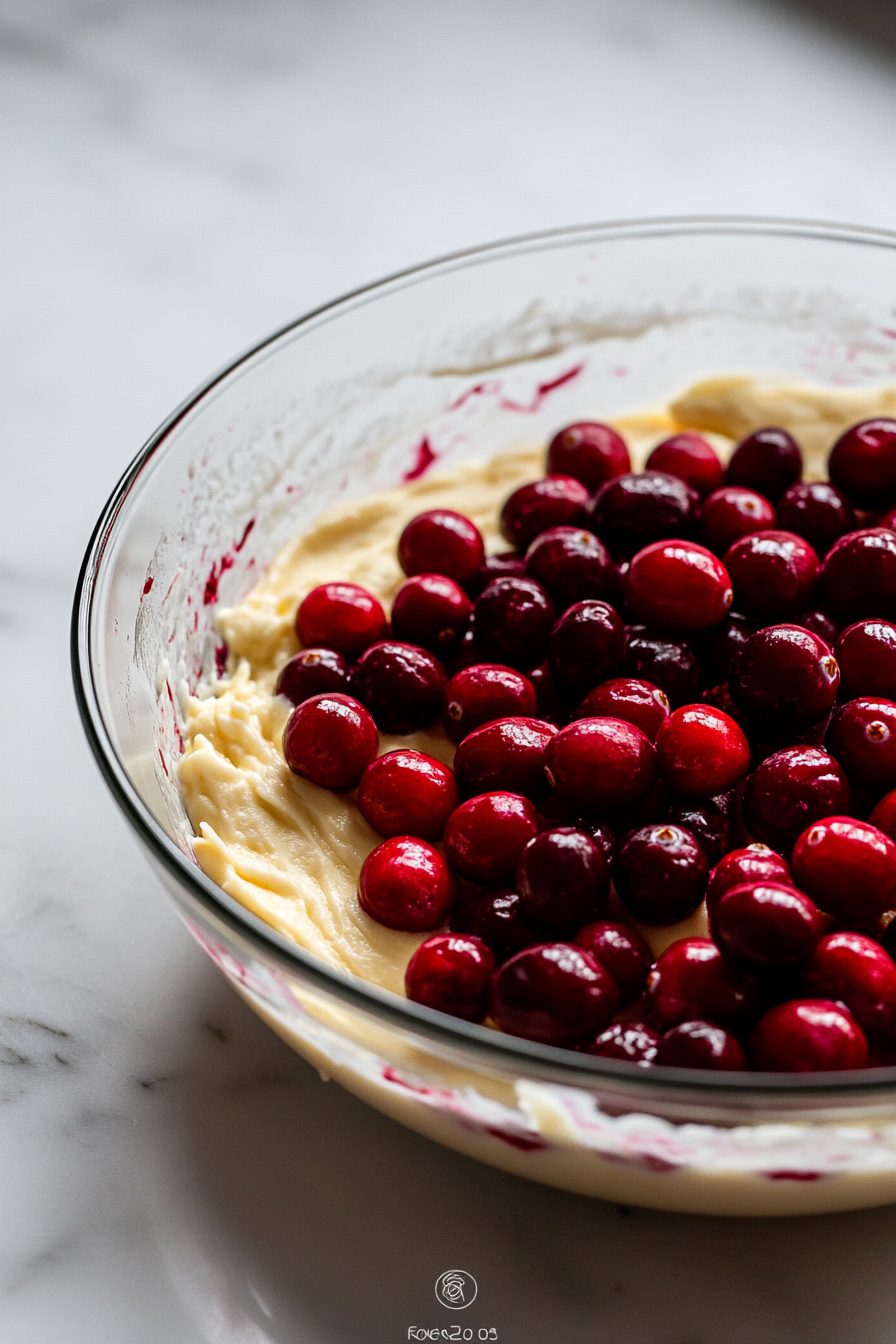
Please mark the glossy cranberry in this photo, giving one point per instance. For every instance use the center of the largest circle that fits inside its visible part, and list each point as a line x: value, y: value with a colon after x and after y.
x: 677, y: 586
x: 330, y: 739
x: 466, y: 653
x: 485, y: 837
x: 668, y: 663
x: 551, y: 705
x: 858, y: 577
x: 817, y: 511
x: 507, y: 754
x: 340, y: 616
x: 862, y: 736
x: 501, y: 920
x: 312, y: 672
x: 767, y: 461
x: 631, y: 511
x: 689, y: 457
x: 635, y: 1042
x: 866, y: 652
x: 848, y: 867
x: 863, y: 464
x: 789, y: 791
x: 765, y: 926
x: 701, y: 751
x: 626, y: 698
x: 808, y: 1036
x: 693, y: 981
x: 699, y: 1045
x: 554, y: 501
x: 884, y: 815
x: 707, y: 823
x: 555, y: 811
x: 571, y: 564
x: 733, y: 512
x: 784, y: 677
x: 858, y: 972
x: 622, y: 951
x: 660, y: 873
x: 589, y: 451
x: 601, y: 765
x: 440, y: 541
x: 481, y: 693
x: 406, y: 884
x: 818, y: 622
x: 401, y: 684
x: 451, y: 973
x: 716, y: 648
x: 406, y: 793
x: 504, y: 565
x: 587, y: 646
x: 755, y: 863
x: 563, y: 878
x: 554, y: 993
x: 513, y: 619
x: 774, y: 574
x: 432, y: 611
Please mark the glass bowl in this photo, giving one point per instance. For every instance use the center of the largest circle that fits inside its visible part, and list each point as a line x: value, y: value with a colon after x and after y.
x: 473, y: 354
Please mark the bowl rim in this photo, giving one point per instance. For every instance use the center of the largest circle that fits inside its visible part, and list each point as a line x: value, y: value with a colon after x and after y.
x: 510, y: 1054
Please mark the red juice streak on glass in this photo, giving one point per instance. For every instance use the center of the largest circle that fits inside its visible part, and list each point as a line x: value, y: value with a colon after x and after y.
x: 423, y: 460
x: 221, y: 659
x: 488, y: 389
x: 886, y: 331
x: 219, y: 569
x: 238, y: 546
x: 162, y: 759
x: 147, y: 586
x: 793, y: 1175
x: 526, y: 1145
x: 543, y: 390
x: 180, y: 739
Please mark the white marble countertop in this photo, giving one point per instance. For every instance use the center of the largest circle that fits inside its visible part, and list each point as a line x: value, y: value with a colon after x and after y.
x: 179, y: 177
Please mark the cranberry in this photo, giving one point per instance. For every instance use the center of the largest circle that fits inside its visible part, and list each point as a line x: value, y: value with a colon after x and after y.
x: 818, y: 622
x: 716, y: 648
x: 790, y: 790
x: 699, y: 1045
x: 677, y: 586
x: 693, y: 981
x: 858, y: 577
x: 479, y: 694
x: 554, y: 501
x: 862, y: 736
x: 884, y: 816
x: 451, y: 972
x: 431, y: 611
x: 689, y: 457
x: 589, y: 451
x: 600, y: 832
x: 571, y: 564
x: 330, y: 739
x: 634, y: 1042
x: 485, y: 837
x: 866, y: 652
x: 626, y: 698
x: 701, y: 751
x: 554, y: 993
x: 505, y: 754
x: 660, y: 873
x: 464, y: 654
x: 768, y: 461
x: 862, y: 464
x: 563, y: 878
x: 774, y: 574
x: 587, y: 646
x: 441, y: 542
x: 340, y: 616
x: 817, y: 511
x: 406, y: 793
x: 504, y: 565
x: 668, y: 663
x: 513, y: 619
x: 312, y: 672
x: 756, y: 863
x: 638, y: 508
x: 858, y: 972
x: 808, y: 1036
x: 551, y: 706
x: 848, y: 867
x: 784, y: 677
x: 501, y: 920
x: 406, y: 884
x: 620, y: 950
x: 601, y: 765
x: 707, y: 823
x: 733, y: 512
x: 400, y: 684
x: 766, y: 926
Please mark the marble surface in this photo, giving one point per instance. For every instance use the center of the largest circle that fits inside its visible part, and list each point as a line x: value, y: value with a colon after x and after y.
x: 180, y: 176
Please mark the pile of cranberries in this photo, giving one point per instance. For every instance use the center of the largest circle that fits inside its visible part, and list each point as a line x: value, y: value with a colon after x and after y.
x: 675, y: 686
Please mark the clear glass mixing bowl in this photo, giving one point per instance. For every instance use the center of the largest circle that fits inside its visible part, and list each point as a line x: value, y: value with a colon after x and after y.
x: 475, y: 354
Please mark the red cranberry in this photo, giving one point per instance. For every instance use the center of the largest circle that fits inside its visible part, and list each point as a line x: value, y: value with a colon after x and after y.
x: 451, y: 972
x: 866, y: 652
x: 766, y: 926
x: 587, y: 646
x: 677, y: 586
x: 701, y: 751
x: 884, y: 815
x: 858, y: 972
x: 699, y: 1045
x: 774, y: 574
x: 571, y: 564
x: 507, y: 754
x: 622, y: 951
x: 505, y: 565
x: 601, y: 765
x: 551, y: 706
x: 767, y: 461
x: 808, y: 1036
x: 513, y: 620
x: 406, y: 884
x: 818, y: 622
x: 484, y: 692
x: 862, y: 736
x: 400, y: 684
x: 431, y: 611
x: 784, y: 677
x: 441, y: 542
x: 716, y: 648
x: 464, y: 654
x: 554, y: 501
x: 790, y: 790
x: 707, y: 823
x: 406, y: 793
x: 555, y: 993
x: 691, y: 459
x: 634, y: 1042
x: 340, y: 616
x: 817, y: 511
x: 668, y: 663
x: 660, y: 873
x: 589, y: 451
x: 501, y: 920
x: 858, y: 577
x: 693, y: 981
x: 848, y: 867
x: 330, y: 739
x: 556, y: 812
x: 563, y: 878
x: 756, y: 863
x: 626, y: 698
x: 485, y: 837
x: 863, y: 464
x: 733, y: 512
x: 312, y: 672
x: 633, y: 510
